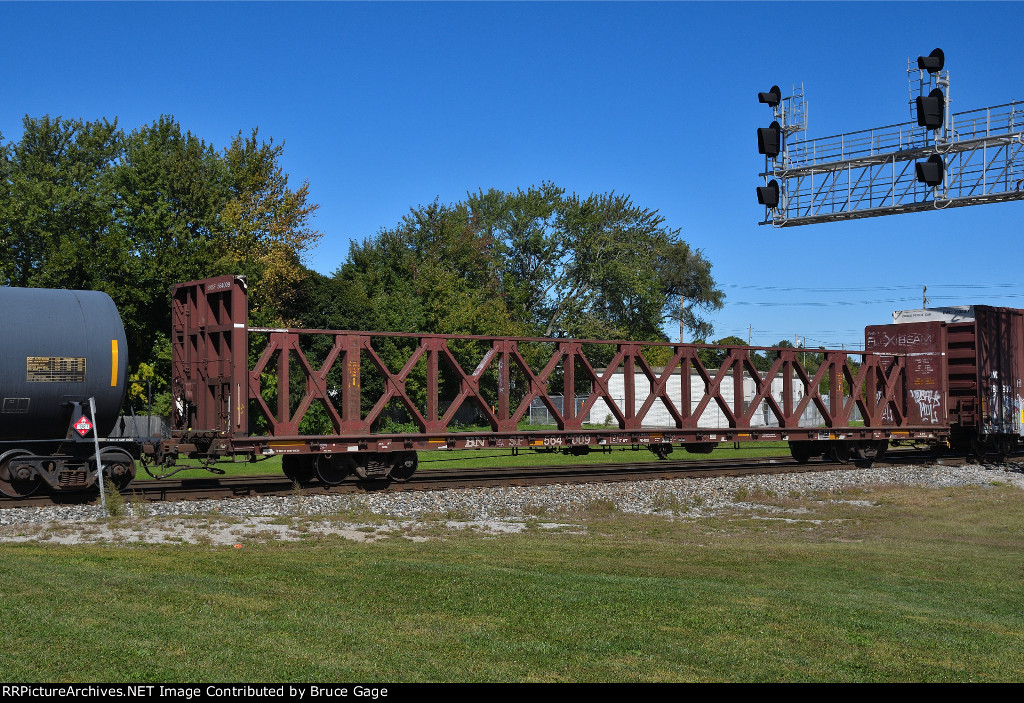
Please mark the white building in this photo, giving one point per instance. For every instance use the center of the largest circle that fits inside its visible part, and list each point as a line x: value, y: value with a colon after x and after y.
x: 712, y: 415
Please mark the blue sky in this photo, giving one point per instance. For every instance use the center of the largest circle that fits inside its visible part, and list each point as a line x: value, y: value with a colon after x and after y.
x: 384, y: 106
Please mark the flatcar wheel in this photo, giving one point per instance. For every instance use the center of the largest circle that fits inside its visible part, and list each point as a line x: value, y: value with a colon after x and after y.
x: 866, y: 452
x: 840, y: 452
x: 298, y: 468
x: 13, y: 483
x: 404, y: 466
x: 883, y: 447
x: 660, y: 450
x: 332, y: 470
x: 801, y: 451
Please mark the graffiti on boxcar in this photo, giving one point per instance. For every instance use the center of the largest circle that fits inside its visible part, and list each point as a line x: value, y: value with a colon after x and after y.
x: 1004, y: 409
x: 1019, y: 416
x: 928, y: 402
x: 887, y: 415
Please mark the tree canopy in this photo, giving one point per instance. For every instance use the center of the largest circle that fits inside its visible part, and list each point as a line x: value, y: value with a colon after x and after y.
x: 535, y: 262
x: 85, y: 205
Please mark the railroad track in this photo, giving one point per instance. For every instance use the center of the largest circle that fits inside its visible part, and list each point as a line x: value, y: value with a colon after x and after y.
x: 221, y: 487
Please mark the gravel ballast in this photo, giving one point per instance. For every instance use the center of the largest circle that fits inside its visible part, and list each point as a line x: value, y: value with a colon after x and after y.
x: 504, y: 509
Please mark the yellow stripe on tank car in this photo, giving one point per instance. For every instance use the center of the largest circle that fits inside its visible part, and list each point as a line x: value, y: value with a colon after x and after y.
x: 113, y: 363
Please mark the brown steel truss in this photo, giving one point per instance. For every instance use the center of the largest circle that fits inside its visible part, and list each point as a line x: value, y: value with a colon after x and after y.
x: 265, y: 404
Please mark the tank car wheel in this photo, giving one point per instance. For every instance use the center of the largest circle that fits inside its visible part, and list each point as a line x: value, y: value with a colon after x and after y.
x: 404, y: 466
x: 297, y: 467
x: 332, y: 470
x: 118, y: 466
x: 17, y: 482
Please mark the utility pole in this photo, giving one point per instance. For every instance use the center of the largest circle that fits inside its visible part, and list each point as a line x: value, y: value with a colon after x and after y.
x: 682, y: 307
x: 924, y: 297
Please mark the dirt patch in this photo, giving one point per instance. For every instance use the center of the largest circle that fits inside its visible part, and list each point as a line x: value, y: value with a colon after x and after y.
x: 181, y: 530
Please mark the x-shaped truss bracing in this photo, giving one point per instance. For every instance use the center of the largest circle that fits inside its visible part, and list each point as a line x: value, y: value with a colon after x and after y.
x: 503, y: 384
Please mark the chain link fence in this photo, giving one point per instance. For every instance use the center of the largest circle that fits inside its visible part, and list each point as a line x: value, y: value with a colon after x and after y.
x: 659, y: 416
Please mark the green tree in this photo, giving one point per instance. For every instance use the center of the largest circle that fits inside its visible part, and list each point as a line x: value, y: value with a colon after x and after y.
x: 712, y: 357
x: 535, y: 262
x: 265, y: 225
x: 435, y: 272
x: 781, y: 344
x: 527, y: 243
x: 82, y: 205
x: 6, y: 201
x: 599, y: 267
x: 170, y: 190
x: 55, y: 221
x: 690, y: 287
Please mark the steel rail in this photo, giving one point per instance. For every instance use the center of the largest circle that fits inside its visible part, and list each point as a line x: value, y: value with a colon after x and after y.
x: 227, y: 487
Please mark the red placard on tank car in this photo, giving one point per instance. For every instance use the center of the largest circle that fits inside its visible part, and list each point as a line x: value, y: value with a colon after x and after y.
x: 923, y: 346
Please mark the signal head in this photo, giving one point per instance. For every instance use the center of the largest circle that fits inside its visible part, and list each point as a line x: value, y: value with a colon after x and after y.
x: 769, y: 195
x: 930, y: 172
x: 769, y: 140
x: 772, y: 98
x: 931, y: 109
x: 933, y: 62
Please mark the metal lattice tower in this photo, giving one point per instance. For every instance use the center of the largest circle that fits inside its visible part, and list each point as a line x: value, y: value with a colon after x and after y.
x: 878, y: 171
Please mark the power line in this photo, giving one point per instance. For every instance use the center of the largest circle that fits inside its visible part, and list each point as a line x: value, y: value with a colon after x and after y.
x: 849, y: 303
x: 852, y: 338
x: 861, y: 289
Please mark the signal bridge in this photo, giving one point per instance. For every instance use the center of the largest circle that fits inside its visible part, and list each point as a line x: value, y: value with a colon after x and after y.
x: 943, y: 160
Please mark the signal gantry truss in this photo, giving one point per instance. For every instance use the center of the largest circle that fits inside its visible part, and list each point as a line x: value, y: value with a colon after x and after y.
x: 940, y: 161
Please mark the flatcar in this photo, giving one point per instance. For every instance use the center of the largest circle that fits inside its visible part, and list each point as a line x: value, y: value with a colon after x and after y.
x: 322, y: 398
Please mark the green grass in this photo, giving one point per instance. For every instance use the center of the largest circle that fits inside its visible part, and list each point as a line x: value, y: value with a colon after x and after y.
x: 921, y: 586
x: 484, y: 457
x: 473, y: 458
